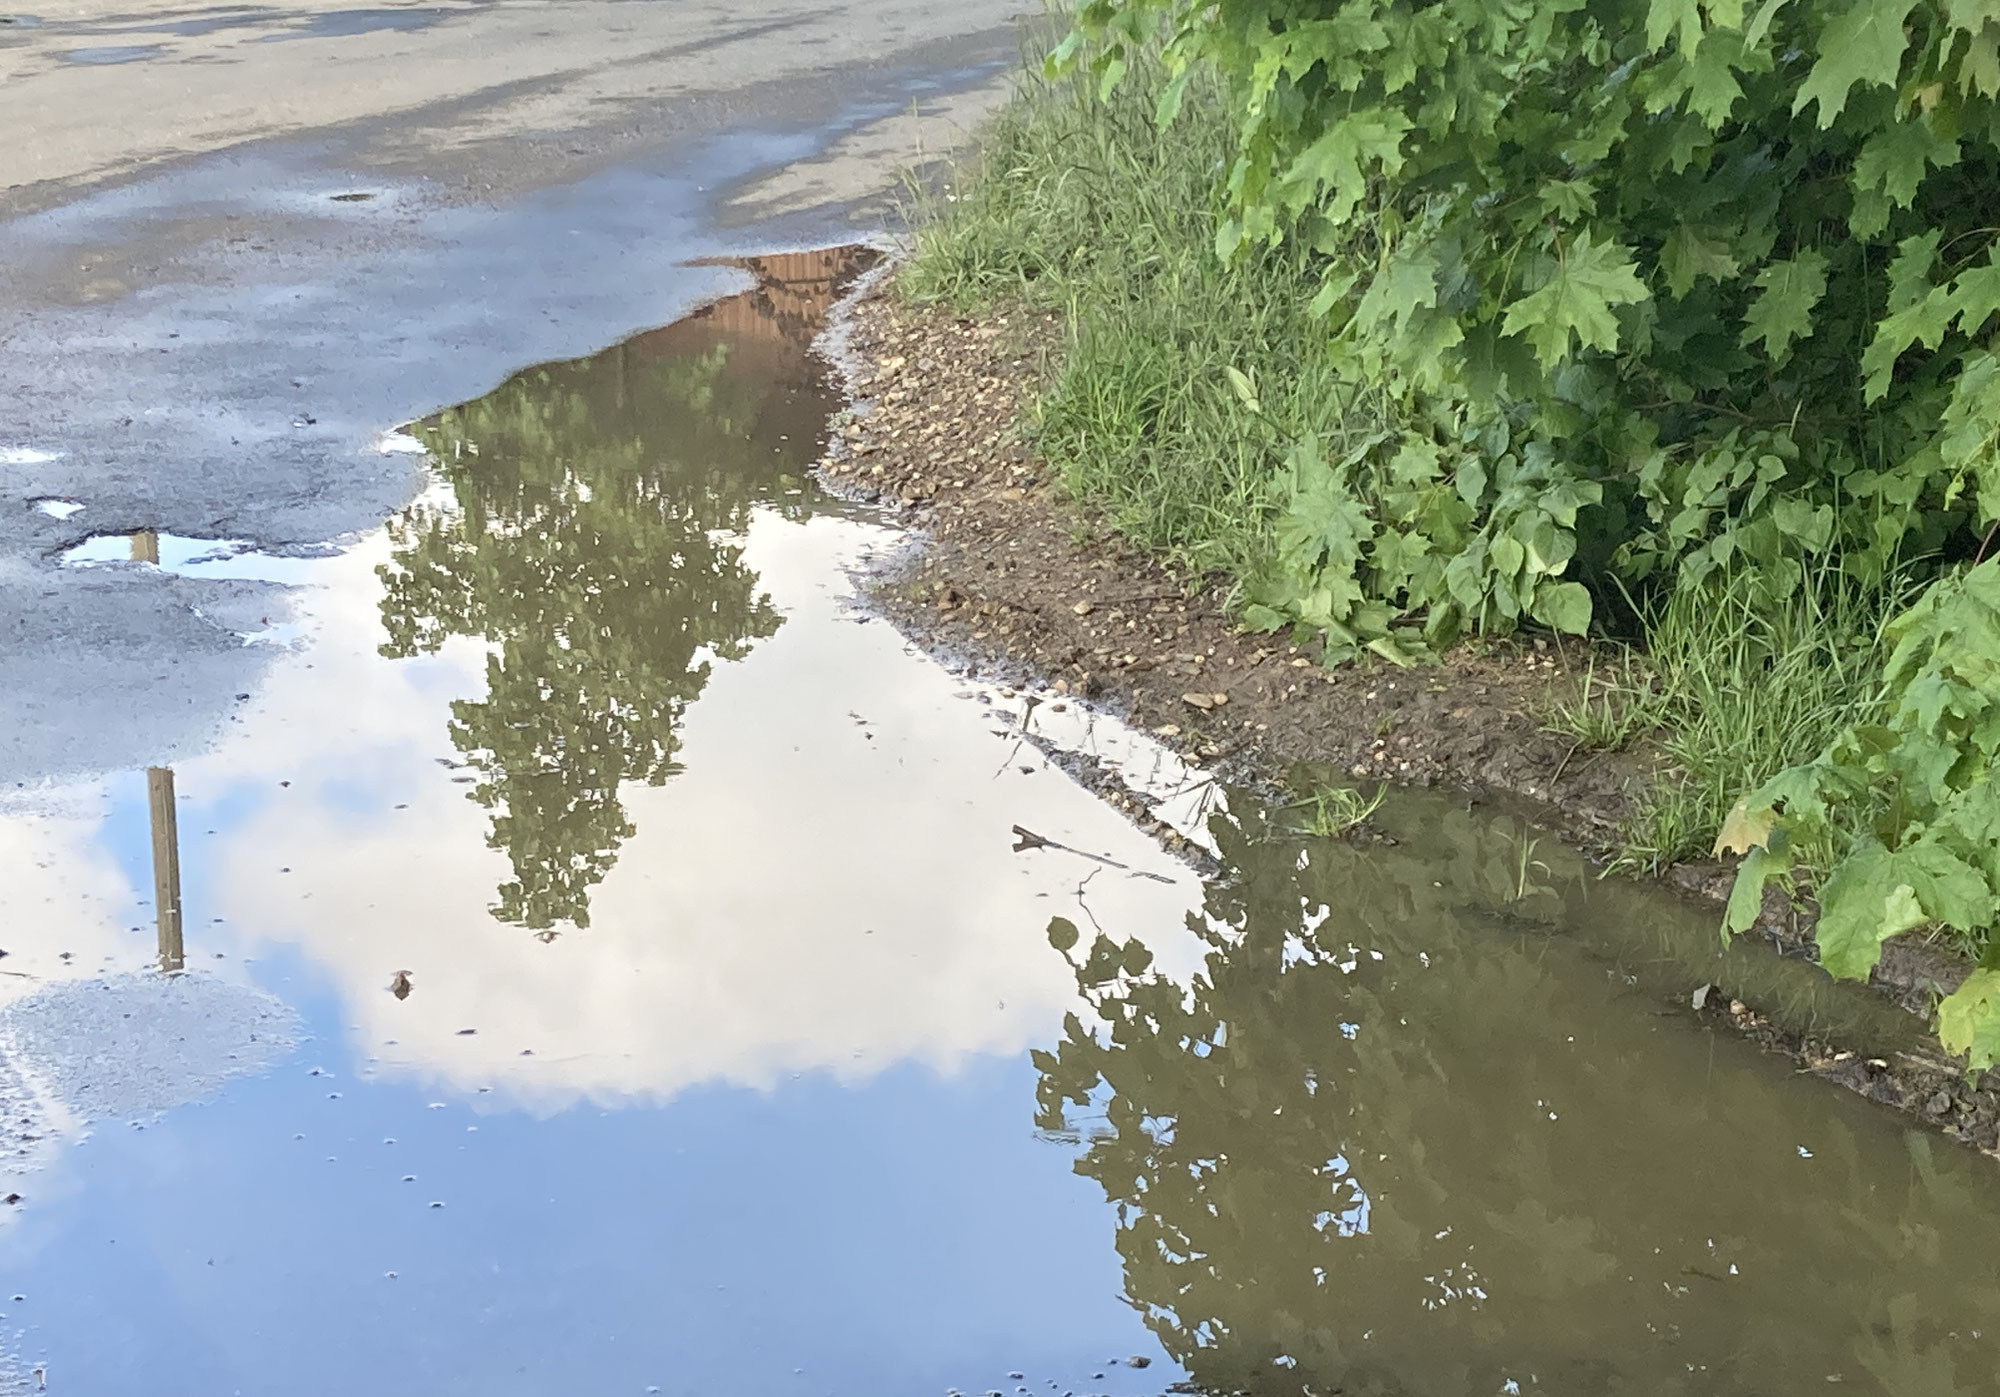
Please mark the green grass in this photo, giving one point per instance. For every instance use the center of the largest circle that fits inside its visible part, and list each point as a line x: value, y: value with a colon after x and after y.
x: 1089, y: 208
x: 1741, y: 685
x: 1092, y: 209
x: 1333, y: 812
x: 1613, y: 708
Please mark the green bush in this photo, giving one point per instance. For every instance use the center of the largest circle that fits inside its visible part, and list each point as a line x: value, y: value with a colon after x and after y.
x: 1651, y: 295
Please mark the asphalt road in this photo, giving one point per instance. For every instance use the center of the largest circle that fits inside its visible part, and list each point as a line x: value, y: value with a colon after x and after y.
x: 242, y: 243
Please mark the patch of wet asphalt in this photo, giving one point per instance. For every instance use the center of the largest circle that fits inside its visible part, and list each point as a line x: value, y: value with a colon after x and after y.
x: 213, y: 352
x: 691, y: 987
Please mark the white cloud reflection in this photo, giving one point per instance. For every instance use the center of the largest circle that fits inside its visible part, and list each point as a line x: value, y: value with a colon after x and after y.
x: 829, y: 886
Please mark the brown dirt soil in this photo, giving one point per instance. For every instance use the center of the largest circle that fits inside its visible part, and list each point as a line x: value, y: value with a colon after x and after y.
x: 1016, y: 581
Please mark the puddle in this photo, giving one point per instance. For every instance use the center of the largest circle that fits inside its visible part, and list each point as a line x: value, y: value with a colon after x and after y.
x: 343, y: 24
x: 105, y: 54
x: 1427, y: 1121
x: 192, y: 557
x: 675, y: 1005
x: 58, y: 509
x: 27, y: 456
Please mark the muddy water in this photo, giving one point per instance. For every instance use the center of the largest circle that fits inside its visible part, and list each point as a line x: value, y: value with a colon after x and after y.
x: 612, y: 967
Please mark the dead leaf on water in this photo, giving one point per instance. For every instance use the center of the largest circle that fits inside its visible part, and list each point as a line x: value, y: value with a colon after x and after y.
x: 400, y: 985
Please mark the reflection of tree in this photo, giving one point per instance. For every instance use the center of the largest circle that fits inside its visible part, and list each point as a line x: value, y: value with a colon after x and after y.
x: 1467, y: 1162
x: 588, y: 541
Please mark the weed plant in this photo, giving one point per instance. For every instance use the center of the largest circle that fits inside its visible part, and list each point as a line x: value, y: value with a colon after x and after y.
x: 1743, y: 684
x: 1093, y: 209
x: 1333, y: 812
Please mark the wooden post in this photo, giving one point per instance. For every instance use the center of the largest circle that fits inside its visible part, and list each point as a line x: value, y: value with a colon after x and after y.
x: 166, y: 865
x: 146, y: 547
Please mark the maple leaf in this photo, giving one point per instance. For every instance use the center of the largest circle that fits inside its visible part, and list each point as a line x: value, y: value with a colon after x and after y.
x: 1969, y: 1019
x: 1895, y: 158
x: 1787, y: 292
x: 1342, y: 160
x: 1744, y: 829
x: 1589, y: 280
x: 1407, y: 282
x: 1713, y: 91
x: 1681, y: 18
x: 1875, y: 894
x: 1687, y: 256
x: 1864, y: 44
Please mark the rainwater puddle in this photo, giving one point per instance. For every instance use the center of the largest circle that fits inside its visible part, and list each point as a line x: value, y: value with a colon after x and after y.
x: 190, y: 557
x: 616, y: 973
x: 101, y: 55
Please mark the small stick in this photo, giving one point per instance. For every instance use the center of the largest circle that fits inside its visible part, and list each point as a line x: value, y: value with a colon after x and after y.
x: 1025, y: 839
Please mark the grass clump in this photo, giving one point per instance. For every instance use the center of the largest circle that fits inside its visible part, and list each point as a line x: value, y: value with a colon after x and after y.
x: 1742, y: 684
x: 1334, y: 812
x: 1092, y: 208
x: 1083, y: 204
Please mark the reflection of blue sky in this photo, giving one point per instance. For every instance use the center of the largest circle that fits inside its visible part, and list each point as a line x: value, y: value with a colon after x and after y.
x: 782, y: 1114
x: 898, y: 1237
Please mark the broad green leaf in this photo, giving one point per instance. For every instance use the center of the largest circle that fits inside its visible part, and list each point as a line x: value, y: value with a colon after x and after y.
x: 1746, y: 894
x: 1925, y: 322
x: 1895, y: 157
x: 1875, y: 894
x: 1576, y: 301
x: 1244, y: 386
x: 1713, y: 90
x: 1979, y: 69
x: 1688, y: 255
x: 1969, y: 1019
x: 1787, y: 292
x: 1863, y: 44
x: 1760, y: 23
x: 1355, y: 148
x: 1259, y: 617
x: 1407, y: 282
x: 1910, y: 270
x: 1680, y: 19
x: 1855, y: 913
x: 1563, y: 606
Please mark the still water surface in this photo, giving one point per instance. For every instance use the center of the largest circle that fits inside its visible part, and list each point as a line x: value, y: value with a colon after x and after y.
x: 610, y: 970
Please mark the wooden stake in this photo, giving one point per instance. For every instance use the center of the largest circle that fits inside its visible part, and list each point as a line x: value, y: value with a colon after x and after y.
x: 166, y: 865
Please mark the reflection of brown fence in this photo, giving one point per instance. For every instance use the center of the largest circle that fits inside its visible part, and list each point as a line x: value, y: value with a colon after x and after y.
x: 794, y: 291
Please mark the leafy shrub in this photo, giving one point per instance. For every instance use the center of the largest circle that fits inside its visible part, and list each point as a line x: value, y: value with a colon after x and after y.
x: 1658, y: 295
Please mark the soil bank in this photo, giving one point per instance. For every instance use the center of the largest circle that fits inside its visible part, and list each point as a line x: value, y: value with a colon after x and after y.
x: 1016, y: 580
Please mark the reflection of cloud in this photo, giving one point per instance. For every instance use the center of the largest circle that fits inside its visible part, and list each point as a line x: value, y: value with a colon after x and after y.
x: 64, y: 892
x: 828, y: 886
